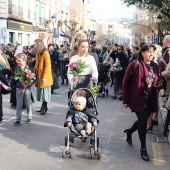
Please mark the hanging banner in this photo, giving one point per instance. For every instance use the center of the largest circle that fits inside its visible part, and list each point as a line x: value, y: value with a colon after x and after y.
x: 56, y: 33
x: 155, y: 38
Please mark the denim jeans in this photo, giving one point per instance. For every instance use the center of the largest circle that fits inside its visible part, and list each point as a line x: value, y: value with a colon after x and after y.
x: 27, y: 98
x: 117, y: 85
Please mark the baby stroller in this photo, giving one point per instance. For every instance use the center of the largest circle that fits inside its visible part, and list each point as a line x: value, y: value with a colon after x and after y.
x: 91, y: 110
x: 103, y: 79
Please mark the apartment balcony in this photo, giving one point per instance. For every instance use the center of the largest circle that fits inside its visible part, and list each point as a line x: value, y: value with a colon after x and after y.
x: 18, y: 12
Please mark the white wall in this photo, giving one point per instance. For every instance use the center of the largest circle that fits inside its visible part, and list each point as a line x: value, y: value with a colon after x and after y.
x: 2, y: 25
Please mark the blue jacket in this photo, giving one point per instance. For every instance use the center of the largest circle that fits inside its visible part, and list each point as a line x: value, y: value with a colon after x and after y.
x: 54, y: 58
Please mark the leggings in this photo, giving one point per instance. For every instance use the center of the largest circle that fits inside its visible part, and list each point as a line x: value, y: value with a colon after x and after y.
x: 141, y: 125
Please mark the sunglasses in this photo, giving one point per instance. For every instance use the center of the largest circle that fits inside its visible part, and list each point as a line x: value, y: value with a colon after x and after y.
x: 119, y: 49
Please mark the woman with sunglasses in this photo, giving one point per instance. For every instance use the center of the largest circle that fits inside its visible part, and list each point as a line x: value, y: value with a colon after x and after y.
x: 122, y: 59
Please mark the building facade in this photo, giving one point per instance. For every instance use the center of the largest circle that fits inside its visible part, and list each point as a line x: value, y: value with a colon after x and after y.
x: 23, y: 21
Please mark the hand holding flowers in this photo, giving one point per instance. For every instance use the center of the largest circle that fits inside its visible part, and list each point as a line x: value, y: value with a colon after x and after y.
x: 24, y: 78
x: 76, y: 68
x: 117, y: 66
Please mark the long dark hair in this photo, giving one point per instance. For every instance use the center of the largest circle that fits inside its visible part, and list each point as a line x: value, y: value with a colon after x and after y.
x: 144, y: 48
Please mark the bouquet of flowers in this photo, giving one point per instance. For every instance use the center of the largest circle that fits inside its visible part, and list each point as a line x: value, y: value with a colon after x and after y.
x: 75, y: 68
x: 94, y: 90
x: 25, y: 77
x: 117, y: 66
x: 65, y: 58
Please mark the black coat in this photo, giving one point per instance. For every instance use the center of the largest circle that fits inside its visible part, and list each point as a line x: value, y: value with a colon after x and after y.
x: 124, y: 63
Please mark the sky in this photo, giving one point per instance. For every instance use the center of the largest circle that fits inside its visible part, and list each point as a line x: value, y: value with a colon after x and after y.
x: 108, y: 10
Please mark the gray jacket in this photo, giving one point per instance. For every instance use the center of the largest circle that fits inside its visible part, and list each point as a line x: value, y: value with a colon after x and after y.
x: 79, y: 118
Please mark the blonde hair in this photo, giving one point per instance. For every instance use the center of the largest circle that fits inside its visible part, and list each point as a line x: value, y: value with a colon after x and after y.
x: 22, y: 56
x: 158, y: 51
x: 40, y: 46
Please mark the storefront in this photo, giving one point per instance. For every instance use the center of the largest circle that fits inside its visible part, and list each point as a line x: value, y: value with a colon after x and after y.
x: 19, y: 32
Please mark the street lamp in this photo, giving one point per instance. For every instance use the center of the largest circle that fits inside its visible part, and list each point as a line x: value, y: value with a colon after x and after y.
x: 53, y: 21
x: 159, y: 19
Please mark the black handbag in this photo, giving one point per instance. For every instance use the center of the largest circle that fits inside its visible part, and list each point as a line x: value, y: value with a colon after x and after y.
x: 3, y: 80
x: 164, y: 84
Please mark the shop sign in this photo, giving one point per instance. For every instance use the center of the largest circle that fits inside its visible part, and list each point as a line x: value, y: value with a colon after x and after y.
x: 19, y: 26
x: 35, y: 28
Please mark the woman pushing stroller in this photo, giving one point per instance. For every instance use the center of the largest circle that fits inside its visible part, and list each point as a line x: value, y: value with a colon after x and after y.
x: 89, y: 72
x: 82, y: 71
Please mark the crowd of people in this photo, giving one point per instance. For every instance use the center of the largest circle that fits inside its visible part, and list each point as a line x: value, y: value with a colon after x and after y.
x: 141, y: 71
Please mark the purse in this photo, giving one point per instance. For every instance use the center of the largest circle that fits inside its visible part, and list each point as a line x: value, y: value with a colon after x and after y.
x: 3, y: 80
x: 163, y: 81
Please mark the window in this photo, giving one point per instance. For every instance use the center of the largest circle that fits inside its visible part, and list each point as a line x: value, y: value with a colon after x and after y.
x: 28, y: 39
x: 11, y: 34
x: 20, y: 38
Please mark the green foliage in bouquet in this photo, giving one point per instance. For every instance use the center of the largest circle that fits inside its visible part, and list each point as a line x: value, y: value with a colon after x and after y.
x: 94, y: 90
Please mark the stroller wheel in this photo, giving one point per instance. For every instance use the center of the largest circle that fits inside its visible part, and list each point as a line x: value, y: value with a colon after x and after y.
x: 107, y: 92
x: 71, y: 152
x: 98, y: 153
x: 66, y: 138
x: 63, y: 153
x: 97, y: 141
x: 91, y: 153
x: 72, y: 139
x: 92, y: 141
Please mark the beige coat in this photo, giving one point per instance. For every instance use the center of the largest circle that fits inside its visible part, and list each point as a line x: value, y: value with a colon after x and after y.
x: 43, y: 69
x: 166, y: 75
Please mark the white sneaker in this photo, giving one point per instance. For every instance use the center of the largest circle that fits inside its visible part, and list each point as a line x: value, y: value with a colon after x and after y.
x: 3, y: 121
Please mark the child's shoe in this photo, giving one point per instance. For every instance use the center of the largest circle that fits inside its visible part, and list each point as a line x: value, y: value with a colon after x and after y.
x: 17, y: 123
x: 89, y: 126
x: 3, y: 121
x: 28, y: 121
x: 83, y: 133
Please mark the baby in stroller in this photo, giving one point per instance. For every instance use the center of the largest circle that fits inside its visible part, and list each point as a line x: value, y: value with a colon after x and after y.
x: 80, y: 119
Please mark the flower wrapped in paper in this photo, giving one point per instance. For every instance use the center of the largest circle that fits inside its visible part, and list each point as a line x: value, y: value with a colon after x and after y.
x: 24, y: 78
x: 76, y: 68
x: 117, y: 66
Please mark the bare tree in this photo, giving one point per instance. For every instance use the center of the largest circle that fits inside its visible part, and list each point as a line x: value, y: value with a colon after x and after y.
x: 90, y: 34
x: 74, y: 28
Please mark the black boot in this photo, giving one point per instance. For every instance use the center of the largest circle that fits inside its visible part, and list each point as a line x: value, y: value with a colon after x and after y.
x: 166, y: 131
x: 144, y: 154
x: 62, y: 81
x: 129, y: 136
x: 44, y: 109
x: 40, y: 108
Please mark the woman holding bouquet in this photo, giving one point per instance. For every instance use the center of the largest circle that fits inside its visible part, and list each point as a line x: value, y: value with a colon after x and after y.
x: 89, y: 72
x: 44, y: 75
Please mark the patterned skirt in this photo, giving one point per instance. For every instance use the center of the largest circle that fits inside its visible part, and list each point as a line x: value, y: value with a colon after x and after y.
x: 43, y: 94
